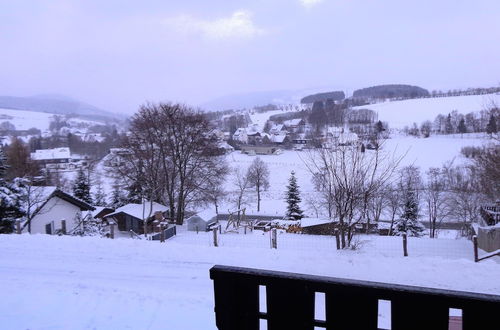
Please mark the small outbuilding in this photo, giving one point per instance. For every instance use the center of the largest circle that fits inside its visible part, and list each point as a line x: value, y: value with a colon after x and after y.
x: 201, y: 220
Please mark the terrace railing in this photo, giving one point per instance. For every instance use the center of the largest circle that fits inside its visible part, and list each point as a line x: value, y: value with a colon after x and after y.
x: 349, y: 304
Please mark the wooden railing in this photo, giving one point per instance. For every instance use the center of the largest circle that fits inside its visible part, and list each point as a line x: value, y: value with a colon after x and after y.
x: 349, y: 304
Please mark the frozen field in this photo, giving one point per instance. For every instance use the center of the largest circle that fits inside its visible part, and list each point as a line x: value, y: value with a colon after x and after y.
x: 404, y: 113
x: 50, y: 282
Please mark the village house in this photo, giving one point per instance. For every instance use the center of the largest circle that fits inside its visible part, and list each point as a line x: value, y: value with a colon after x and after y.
x: 295, y: 125
x: 130, y: 217
x: 201, y: 221
x: 50, y: 206
x: 57, y: 159
x: 240, y: 135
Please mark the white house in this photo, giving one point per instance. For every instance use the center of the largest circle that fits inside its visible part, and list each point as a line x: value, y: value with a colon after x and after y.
x: 240, y: 135
x: 51, y: 205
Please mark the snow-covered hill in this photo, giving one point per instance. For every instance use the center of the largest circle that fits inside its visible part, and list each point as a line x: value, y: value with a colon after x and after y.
x: 404, y: 113
x: 24, y: 120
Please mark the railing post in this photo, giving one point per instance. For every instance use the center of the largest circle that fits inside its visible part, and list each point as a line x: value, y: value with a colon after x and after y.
x: 112, y: 230
x: 216, y: 243
x: 162, y: 234
x: 476, y: 253
x: 63, y: 227
x: 274, y: 239
x: 405, y: 245
x: 18, y: 227
x: 337, y: 238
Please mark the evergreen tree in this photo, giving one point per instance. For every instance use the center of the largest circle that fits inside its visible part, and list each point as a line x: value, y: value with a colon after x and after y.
x: 11, y: 204
x: 118, y: 198
x: 100, y: 195
x: 134, y: 192
x: 461, y: 126
x: 293, y: 199
x: 3, y: 164
x: 408, y: 222
x: 491, y: 127
x: 448, y: 126
x: 81, y: 187
x: 379, y: 127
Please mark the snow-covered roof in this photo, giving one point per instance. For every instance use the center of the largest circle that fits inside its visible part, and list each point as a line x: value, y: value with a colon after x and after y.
x: 307, y: 222
x: 137, y: 210
x: 207, y: 215
x: 278, y: 138
x: 293, y: 122
x: 240, y: 131
x: 48, y: 154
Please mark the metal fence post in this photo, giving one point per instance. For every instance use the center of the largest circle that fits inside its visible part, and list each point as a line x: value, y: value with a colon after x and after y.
x: 216, y: 243
x: 476, y: 253
x: 405, y: 245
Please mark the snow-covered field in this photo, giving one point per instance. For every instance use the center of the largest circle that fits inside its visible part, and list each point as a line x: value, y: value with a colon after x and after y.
x: 24, y: 120
x: 424, y: 153
x: 51, y: 282
x: 404, y: 113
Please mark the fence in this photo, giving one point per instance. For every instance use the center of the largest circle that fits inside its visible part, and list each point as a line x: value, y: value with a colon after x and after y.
x: 372, y: 245
x: 250, y: 298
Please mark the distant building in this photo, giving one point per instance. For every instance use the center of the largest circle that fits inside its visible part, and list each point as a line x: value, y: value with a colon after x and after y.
x: 130, y: 217
x: 240, y: 135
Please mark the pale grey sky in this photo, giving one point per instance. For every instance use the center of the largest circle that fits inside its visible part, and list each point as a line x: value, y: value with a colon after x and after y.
x: 117, y: 54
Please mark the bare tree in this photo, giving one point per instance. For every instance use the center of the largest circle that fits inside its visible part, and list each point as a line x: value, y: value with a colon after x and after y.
x: 435, y: 198
x: 179, y: 154
x: 241, y: 184
x: 258, y: 177
x: 355, y: 178
x: 393, y: 204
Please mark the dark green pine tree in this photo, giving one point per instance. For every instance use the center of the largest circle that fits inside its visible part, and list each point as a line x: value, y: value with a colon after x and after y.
x: 293, y: 199
x: 408, y: 222
x: 461, y: 127
x: 448, y: 126
x: 81, y: 187
x: 491, y: 127
x: 118, y: 198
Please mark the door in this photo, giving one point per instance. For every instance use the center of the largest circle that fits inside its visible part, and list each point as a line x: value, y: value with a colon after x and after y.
x: 48, y: 229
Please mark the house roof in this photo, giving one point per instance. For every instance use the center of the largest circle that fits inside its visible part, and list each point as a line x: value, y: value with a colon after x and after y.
x: 207, y: 215
x: 308, y: 222
x: 293, y: 122
x: 137, y: 210
x: 278, y: 138
x: 50, y: 154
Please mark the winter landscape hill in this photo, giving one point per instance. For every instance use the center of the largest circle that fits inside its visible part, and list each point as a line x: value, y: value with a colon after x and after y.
x: 57, y: 104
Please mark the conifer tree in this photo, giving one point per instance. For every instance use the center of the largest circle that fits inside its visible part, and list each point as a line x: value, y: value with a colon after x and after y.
x: 3, y: 164
x: 81, y: 187
x: 118, y: 198
x: 461, y: 126
x: 293, y: 212
x: 491, y: 127
x: 100, y: 195
x: 408, y: 222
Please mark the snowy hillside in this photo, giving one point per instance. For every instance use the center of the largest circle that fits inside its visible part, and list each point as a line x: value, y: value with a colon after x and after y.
x: 53, y: 282
x: 24, y: 120
x: 404, y: 113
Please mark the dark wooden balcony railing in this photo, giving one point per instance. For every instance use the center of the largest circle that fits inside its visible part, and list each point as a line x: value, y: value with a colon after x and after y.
x: 349, y: 304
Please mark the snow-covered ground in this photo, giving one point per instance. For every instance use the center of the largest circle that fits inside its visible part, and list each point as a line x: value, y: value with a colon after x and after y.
x: 51, y: 282
x: 404, y: 113
x: 24, y: 120
x: 424, y: 153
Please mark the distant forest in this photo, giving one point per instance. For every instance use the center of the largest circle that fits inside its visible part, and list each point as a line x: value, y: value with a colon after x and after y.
x: 322, y: 97
x: 391, y: 91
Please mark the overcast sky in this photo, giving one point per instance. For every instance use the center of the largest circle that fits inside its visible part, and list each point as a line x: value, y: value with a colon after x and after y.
x: 117, y: 54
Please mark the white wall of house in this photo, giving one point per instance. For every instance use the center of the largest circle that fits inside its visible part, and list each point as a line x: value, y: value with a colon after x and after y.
x: 56, y: 209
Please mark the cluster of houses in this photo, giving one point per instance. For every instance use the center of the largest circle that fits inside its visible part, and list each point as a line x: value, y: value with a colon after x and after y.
x: 59, y: 159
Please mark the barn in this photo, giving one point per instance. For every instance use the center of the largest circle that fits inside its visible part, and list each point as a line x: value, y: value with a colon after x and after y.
x: 130, y: 217
x: 201, y: 220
